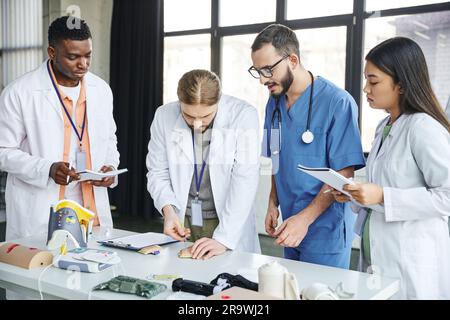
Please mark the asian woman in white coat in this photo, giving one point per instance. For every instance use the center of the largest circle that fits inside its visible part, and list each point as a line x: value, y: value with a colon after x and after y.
x: 408, y: 171
x: 203, y: 167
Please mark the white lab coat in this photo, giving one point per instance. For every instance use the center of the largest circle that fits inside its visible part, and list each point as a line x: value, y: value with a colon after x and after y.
x: 32, y: 138
x: 233, y: 164
x: 410, y: 239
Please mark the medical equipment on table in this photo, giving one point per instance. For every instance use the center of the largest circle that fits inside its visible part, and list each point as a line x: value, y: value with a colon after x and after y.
x: 24, y: 257
x: 75, y: 221
x: 275, y: 280
x: 87, y: 260
x: 200, y: 288
x: 141, y: 288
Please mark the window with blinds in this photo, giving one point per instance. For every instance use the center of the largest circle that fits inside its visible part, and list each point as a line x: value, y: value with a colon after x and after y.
x: 21, y: 42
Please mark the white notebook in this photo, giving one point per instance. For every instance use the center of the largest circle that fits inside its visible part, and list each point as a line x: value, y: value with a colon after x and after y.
x: 92, y: 175
x: 335, y: 180
x: 328, y: 176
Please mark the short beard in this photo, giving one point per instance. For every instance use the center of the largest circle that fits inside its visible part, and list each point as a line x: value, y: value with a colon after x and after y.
x: 285, y: 84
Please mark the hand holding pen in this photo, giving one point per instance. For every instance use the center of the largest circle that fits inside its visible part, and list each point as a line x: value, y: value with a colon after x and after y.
x: 63, y: 173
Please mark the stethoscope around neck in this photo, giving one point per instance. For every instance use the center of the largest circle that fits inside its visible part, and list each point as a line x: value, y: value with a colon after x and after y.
x: 307, y: 136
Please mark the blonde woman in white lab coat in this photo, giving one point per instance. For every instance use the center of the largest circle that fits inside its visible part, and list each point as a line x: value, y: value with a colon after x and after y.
x: 211, y: 201
x: 408, y: 170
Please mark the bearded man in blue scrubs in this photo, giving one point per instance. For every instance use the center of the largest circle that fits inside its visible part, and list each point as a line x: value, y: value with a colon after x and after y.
x: 315, y: 228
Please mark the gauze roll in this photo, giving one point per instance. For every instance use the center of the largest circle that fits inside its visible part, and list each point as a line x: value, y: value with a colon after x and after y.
x: 276, y: 281
x: 318, y: 291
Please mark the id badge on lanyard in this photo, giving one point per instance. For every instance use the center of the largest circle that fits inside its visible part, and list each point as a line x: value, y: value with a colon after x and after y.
x: 80, y: 159
x: 196, y: 204
x: 196, y: 212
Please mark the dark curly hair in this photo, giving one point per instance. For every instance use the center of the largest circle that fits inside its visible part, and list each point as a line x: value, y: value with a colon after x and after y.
x: 68, y: 28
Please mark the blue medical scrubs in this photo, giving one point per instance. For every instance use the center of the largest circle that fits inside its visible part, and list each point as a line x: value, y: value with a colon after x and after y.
x: 336, y: 145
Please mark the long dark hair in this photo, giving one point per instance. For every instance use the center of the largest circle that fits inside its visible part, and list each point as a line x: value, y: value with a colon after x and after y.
x: 403, y: 60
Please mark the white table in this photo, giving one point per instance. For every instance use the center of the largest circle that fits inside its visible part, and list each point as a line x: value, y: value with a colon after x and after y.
x: 63, y: 284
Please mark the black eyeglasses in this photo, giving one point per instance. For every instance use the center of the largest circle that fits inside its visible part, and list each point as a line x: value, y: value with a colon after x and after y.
x: 266, y: 72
